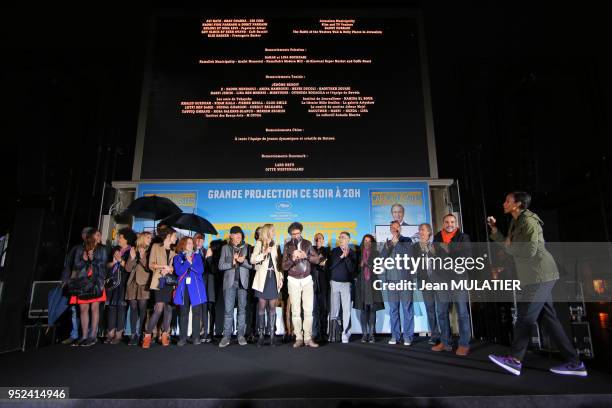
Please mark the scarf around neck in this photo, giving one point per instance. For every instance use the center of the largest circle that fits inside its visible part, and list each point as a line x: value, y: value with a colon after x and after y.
x: 448, y: 236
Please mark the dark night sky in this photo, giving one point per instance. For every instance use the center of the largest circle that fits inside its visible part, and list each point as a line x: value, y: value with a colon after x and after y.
x: 521, y: 100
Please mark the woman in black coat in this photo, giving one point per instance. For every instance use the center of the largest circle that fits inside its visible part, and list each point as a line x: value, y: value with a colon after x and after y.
x: 367, y: 299
x: 208, y: 308
x: 320, y: 277
x: 90, y: 261
x: 116, y: 286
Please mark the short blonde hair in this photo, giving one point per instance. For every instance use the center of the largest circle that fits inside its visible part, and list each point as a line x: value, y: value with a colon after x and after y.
x: 264, y: 234
x: 140, y: 240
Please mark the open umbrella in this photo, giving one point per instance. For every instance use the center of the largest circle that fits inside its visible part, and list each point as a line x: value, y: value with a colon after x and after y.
x: 151, y: 208
x: 191, y: 222
x: 58, y: 303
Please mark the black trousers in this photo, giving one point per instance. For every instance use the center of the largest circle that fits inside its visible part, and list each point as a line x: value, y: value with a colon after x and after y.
x: 320, y: 311
x: 367, y: 318
x: 535, y: 304
x: 251, y: 314
x: 116, y: 317
x: 212, y: 312
x: 205, y: 307
x: 196, y: 315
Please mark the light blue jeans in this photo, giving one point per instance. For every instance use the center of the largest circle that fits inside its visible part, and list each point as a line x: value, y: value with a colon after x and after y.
x: 408, y: 321
x: 403, y: 299
x: 76, y: 321
x: 460, y: 299
x: 230, y: 295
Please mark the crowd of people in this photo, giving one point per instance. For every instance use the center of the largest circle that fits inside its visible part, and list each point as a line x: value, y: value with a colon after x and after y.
x: 156, y: 277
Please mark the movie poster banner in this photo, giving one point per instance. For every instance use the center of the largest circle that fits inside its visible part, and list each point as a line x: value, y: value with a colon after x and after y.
x: 328, y: 207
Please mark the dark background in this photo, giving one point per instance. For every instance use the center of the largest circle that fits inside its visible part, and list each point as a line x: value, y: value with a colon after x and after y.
x: 521, y: 100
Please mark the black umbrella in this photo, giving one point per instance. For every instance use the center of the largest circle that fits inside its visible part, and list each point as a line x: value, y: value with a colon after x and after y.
x: 191, y: 222
x: 151, y: 208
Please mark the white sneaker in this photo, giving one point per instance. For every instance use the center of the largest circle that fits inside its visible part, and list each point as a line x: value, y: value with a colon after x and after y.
x: 407, y: 343
x: 345, y: 339
x: 392, y: 341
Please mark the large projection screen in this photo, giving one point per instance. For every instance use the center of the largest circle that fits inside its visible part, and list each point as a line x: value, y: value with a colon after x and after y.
x: 286, y: 94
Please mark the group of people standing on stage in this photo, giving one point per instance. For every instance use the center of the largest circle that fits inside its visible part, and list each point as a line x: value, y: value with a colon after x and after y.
x: 309, y: 280
x: 141, y: 267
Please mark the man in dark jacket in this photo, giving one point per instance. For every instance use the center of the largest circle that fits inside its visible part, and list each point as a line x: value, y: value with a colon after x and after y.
x: 235, y: 266
x: 452, y: 243
x: 298, y: 255
x: 342, y: 269
x: 251, y: 314
x: 399, y: 246
x: 320, y: 278
x: 66, y: 274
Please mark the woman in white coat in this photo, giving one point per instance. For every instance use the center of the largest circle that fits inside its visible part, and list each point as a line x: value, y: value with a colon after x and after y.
x: 268, y: 281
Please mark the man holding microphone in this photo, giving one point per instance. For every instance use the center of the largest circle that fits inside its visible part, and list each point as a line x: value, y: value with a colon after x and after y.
x: 342, y: 268
x: 298, y: 255
x: 399, y: 245
x: 538, y: 273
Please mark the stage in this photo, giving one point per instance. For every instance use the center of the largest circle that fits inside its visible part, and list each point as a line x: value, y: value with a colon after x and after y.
x: 335, y: 374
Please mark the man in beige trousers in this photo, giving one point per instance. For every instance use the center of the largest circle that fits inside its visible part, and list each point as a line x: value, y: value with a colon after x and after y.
x: 298, y: 255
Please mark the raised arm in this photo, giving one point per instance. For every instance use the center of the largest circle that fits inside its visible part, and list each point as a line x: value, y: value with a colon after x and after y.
x: 198, y: 264
x: 336, y: 260
x: 288, y: 261
x: 257, y: 256
x: 313, y: 255
x: 79, y: 262
x: 131, y: 261
x: 226, y: 262
x: 386, y: 250
x: 351, y: 262
x: 155, y: 260
x: 497, y: 236
x: 247, y: 260
x: 180, y: 265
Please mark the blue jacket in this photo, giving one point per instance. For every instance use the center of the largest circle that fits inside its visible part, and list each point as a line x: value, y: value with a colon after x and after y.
x: 196, y: 289
x: 343, y: 269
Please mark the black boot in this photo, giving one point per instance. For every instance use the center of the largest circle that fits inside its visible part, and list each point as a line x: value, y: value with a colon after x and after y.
x: 261, y: 330
x: 272, y: 329
x: 133, y: 340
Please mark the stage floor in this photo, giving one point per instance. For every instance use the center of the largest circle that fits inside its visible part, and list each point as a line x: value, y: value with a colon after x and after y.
x: 337, y: 371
